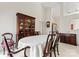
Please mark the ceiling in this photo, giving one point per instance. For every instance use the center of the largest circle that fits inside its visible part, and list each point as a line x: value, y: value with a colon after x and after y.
x: 67, y: 7
x: 51, y: 4
x: 71, y: 7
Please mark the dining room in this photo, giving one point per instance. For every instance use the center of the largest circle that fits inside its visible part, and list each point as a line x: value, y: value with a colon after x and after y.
x: 39, y: 29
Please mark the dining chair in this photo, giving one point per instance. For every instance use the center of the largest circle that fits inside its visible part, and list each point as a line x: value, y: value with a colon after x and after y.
x: 9, y: 37
x: 55, y: 43
x: 51, y: 45
x: 12, y: 53
x: 47, y: 47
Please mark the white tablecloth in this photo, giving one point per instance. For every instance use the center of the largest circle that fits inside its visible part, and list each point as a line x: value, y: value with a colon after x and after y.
x: 35, y: 42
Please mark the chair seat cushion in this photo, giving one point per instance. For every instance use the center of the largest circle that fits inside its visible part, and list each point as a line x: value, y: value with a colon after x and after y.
x: 10, y: 43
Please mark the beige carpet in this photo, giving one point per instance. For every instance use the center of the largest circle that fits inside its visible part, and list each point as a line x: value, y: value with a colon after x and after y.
x: 67, y: 50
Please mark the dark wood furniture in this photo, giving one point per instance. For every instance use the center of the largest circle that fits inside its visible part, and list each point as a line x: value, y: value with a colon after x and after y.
x: 51, y: 45
x: 10, y: 53
x: 25, y: 25
x: 68, y: 38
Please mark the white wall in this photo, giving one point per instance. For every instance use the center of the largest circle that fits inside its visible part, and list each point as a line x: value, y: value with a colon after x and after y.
x: 71, y: 19
x: 51, y: 14
x: 46, y: 17
x: 7, y: 23
x: 8, y: 15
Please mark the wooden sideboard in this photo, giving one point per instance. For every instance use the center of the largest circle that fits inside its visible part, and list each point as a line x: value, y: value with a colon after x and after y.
x: 68, y: 38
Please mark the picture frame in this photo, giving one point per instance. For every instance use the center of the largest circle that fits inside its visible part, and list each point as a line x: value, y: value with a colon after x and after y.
x: 48, y: 24
x: 72, y: 26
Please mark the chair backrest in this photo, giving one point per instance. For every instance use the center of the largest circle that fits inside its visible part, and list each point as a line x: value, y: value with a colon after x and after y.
x: 55, y: 39
x: 55, y: 35
x: 47, y: 46
x: 8, y: 35
x: 7, y: 46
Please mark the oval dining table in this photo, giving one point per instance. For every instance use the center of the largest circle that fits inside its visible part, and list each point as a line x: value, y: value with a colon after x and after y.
x: 35, y: 42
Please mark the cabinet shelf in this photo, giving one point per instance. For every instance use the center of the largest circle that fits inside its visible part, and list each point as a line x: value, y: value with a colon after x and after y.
x: 25, y: 25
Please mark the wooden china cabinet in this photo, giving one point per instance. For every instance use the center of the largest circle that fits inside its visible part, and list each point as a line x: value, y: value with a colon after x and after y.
x: 25, y: 25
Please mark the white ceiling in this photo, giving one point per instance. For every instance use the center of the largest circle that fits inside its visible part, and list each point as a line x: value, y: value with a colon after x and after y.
x: 68, y: 7
x: 55, y: 8
x: 51, y: 4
